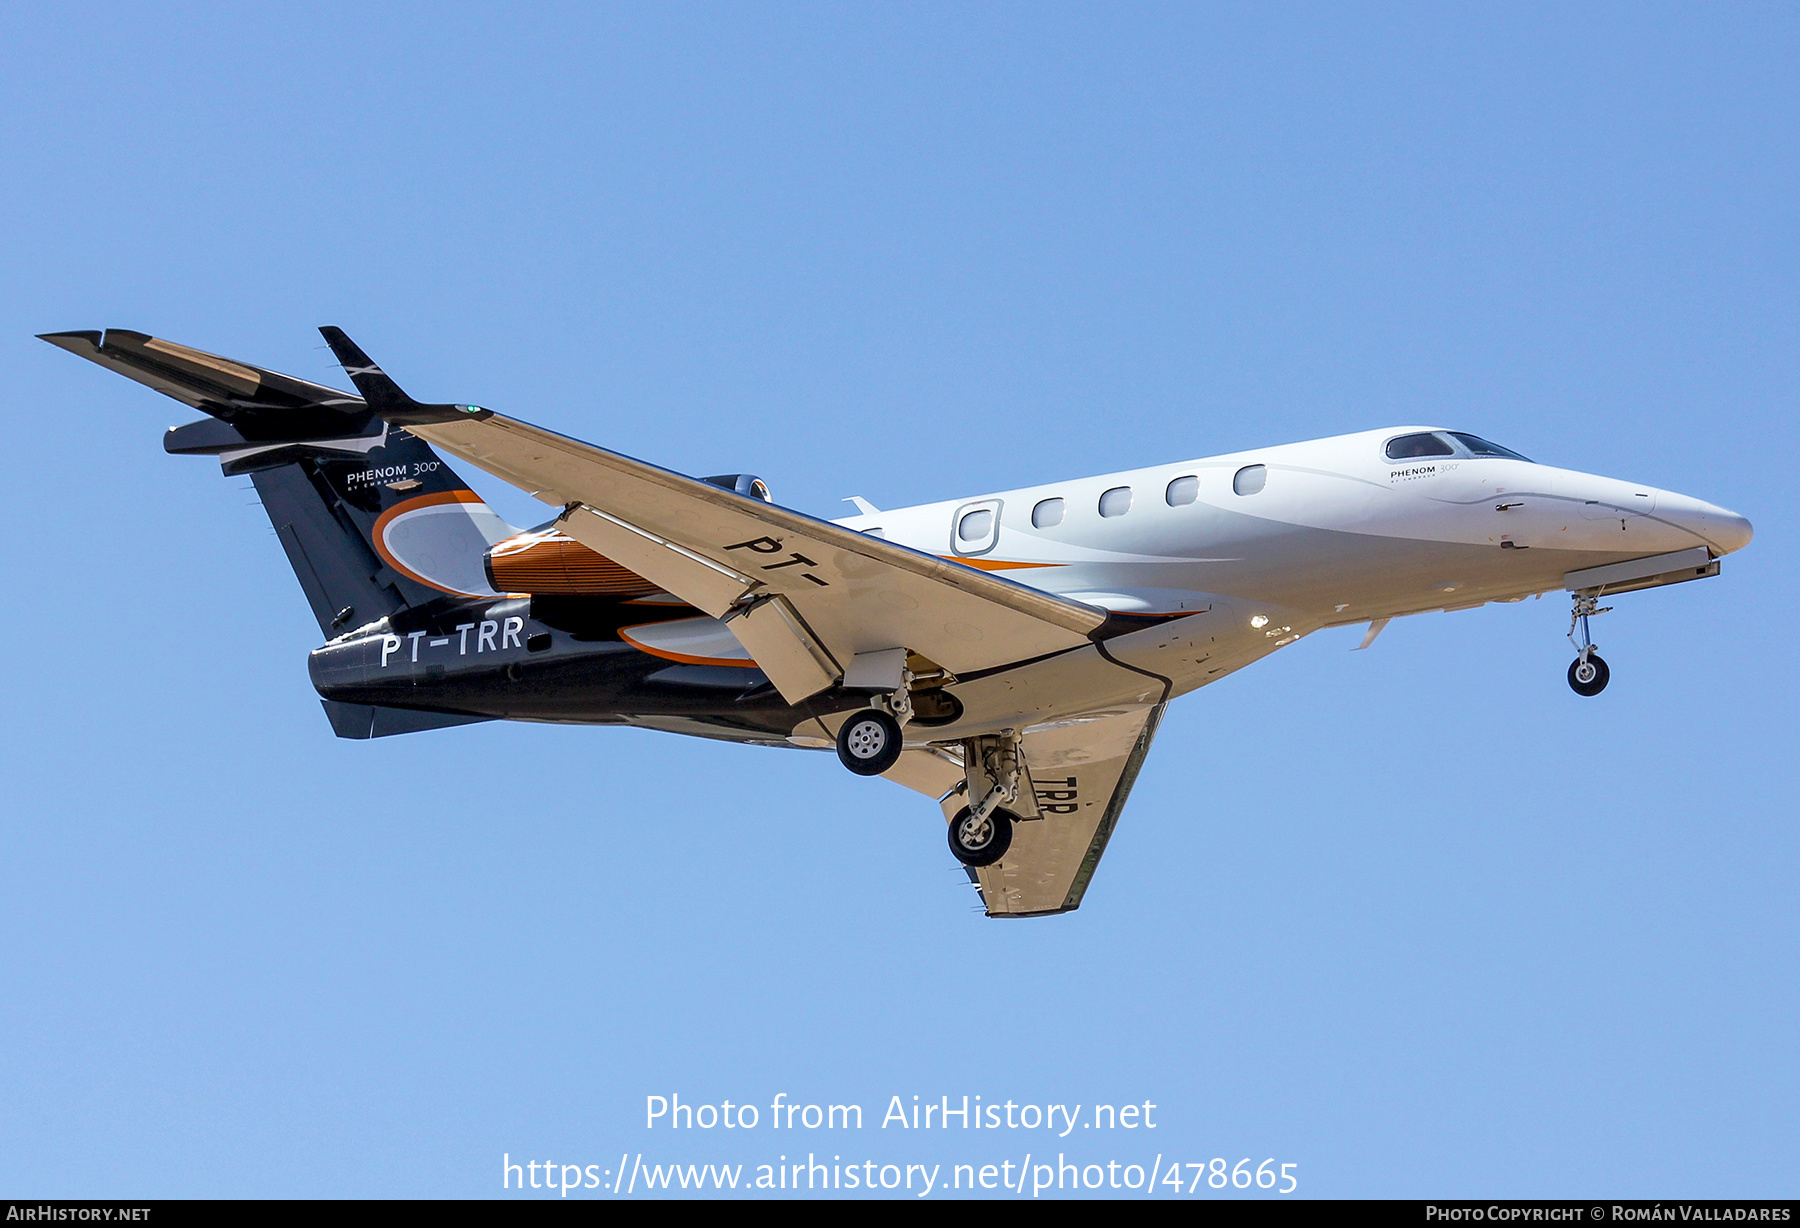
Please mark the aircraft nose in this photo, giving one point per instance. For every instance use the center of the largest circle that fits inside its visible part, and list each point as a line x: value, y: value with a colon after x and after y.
x: 1723, y: 530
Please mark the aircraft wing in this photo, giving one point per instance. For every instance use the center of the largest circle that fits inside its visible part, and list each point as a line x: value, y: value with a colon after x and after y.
x: 1081, y: 773
x: 804, y: 596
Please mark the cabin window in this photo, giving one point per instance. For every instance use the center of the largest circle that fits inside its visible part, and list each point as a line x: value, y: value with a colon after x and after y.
x: 1411, y: 447
x: 1183, y: 491
x: 976, y: 526
x: 1047, y: 514
x: 1480, y: 447
x: 1116, y: 502
x: 1250, y: 479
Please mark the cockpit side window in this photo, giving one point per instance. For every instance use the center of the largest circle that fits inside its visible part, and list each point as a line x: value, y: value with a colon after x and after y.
x: 1478, y: 446
x: 1410, y: 447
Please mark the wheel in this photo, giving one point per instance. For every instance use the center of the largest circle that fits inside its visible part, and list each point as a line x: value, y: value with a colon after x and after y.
x: 869, y: 743
x: 983, y: 843
x: 1589, y: 677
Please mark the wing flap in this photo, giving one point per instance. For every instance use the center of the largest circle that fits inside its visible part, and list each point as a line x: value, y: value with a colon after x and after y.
x: 700, y: 582
x: 784, y: 647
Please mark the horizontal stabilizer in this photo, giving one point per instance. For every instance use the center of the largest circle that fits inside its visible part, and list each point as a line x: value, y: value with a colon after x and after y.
x: 366, y: 721
x: 212, y: 437
x: 262, y: 407
x: 371, y: 519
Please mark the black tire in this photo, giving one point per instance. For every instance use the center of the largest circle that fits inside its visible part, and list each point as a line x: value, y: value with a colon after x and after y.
x: 1591, y: 681
x: 983, y: 844
x: 869, y: 742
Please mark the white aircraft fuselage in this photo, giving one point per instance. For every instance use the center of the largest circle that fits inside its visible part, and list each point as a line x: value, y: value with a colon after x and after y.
x: 1334, y: 533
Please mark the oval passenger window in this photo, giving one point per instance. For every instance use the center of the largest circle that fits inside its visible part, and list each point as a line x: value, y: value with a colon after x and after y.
x: 1183, y: 491
x: 1116, y: 502
x: 976, y: 525
x: 1047, y: 514
x: 1250, y: 479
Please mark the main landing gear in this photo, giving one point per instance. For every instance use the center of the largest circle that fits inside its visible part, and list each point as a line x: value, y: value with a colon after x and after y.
x: 981, y: 840
x: 869, y: 742
x: 994, y: 778
x: 1588, y: 674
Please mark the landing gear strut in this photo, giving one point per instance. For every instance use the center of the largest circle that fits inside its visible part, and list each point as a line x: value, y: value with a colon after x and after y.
x: 1588, y: 674
x: 994, y: 777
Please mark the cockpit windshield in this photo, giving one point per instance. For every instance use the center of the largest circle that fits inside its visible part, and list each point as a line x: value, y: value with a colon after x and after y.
x: 1478, y: 446
x: 1446, y: 443
x: 1410, y: 447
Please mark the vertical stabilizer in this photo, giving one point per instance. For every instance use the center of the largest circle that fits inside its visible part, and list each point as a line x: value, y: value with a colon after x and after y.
x: 372, y: 520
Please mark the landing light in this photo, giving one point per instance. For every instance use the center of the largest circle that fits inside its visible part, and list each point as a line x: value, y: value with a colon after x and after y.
x: 1259, y: 621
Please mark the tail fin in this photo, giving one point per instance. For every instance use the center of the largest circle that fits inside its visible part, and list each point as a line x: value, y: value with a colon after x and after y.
x: 372, y: 520
x: 383, y: 395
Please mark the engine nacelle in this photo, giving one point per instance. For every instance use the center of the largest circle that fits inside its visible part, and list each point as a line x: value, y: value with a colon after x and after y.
x: 547, y: 560
x: 746, y: 484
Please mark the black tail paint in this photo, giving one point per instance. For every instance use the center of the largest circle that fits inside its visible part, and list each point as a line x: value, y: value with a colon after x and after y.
x: 389, y: 546
x: 325, y: 466
x: 325, y: 507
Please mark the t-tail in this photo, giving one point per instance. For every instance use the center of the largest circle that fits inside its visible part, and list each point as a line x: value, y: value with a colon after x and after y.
x: 373, y: 522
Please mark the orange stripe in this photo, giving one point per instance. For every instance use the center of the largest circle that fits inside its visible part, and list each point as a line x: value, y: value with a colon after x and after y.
x: 994, y: 564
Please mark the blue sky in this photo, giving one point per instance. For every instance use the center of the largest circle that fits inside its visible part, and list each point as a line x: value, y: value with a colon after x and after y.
x: 1417, y: 920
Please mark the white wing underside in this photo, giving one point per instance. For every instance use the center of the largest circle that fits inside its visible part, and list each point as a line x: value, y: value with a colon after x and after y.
x: 1081, y: 773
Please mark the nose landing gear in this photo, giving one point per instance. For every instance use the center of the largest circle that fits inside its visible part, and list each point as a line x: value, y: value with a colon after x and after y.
x: 1588, y: 674
x: 1589, y: 677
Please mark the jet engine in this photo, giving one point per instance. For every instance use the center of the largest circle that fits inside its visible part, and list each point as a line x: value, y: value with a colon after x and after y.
x: 547, y: 560
x: 746, y: 484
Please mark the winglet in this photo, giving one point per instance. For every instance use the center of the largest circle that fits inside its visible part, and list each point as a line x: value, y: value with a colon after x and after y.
x: 383, y: 395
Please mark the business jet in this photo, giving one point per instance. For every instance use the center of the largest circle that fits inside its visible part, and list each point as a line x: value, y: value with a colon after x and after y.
x: 1009, y: 655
